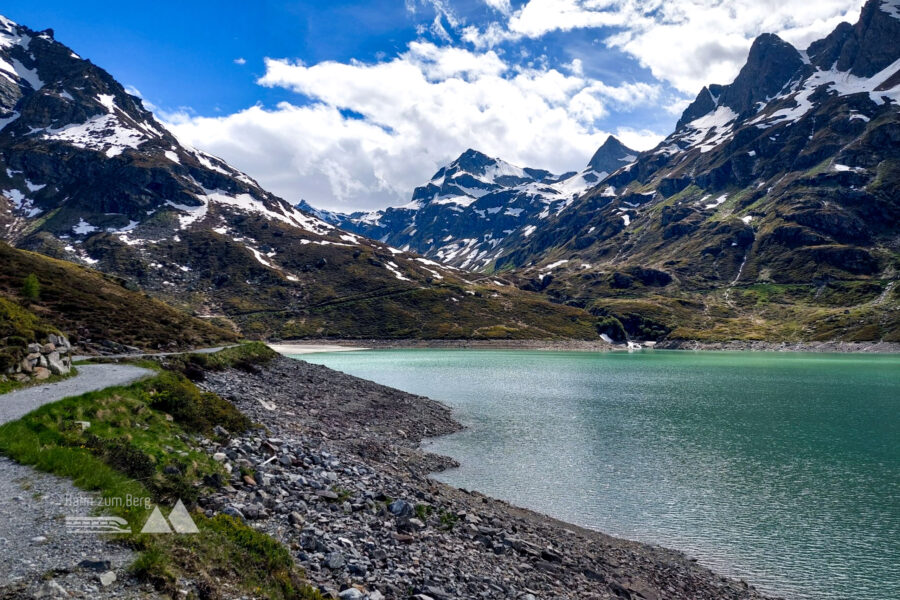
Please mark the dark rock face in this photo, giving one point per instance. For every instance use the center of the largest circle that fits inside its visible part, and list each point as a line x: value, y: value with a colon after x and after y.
x: 611, y: 156
x: 772, y: 63
x: 862, y: 49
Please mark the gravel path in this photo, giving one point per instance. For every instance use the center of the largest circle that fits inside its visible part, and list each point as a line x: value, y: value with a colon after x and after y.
x: 153, y: 354
x: 90, y: 378
x: 34, y: 542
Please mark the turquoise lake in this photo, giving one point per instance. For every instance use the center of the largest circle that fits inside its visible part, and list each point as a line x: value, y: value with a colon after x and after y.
x: 781, y: 469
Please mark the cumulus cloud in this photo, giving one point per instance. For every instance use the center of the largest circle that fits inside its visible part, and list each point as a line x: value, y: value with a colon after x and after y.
x: 240, y: 61
x: 364, y: 135
x: 688, y: 43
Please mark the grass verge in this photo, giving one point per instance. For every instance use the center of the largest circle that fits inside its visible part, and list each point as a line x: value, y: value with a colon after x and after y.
x: 143, y: 442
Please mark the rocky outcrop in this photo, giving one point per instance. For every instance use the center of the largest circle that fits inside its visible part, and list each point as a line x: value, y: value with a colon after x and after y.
x: 40, y: 361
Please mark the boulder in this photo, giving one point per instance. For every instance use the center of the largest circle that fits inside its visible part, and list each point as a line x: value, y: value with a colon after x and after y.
x: 26, y: 366
x: 401, y: 508
x: 40, y: 373
x: 334, y: 561
x: 56, y: 365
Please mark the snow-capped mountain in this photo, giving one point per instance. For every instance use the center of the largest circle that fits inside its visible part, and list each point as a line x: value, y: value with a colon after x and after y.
x: 787, y: 176
x: 463, y: 215
x: 88, y: 175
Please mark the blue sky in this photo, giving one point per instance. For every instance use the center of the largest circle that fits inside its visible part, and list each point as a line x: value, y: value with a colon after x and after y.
x: 351, y: 104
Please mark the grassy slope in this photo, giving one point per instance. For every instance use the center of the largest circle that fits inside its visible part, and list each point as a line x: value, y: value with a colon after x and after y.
x: 124, y: 452
x: 845, y: 311
x: 77, y: 299
x: 783, y: 293
x: 339, y: 292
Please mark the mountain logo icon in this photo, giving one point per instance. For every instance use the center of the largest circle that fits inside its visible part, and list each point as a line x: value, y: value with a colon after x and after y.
x: 179, y: 521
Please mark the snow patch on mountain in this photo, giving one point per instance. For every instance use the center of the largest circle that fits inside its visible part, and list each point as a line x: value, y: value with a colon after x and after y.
x: 103, y: 133
x: 891, y: 7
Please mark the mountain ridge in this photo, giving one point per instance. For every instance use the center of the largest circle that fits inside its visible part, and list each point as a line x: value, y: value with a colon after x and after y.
x: 754, y: 197
x: 88, y: 174
x: 470, y: 206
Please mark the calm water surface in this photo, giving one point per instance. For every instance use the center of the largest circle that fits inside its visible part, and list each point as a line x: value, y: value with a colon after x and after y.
x: 782, y: 469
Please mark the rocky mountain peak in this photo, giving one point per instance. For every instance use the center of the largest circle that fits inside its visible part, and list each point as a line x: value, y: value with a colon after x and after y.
x: 865, y: 48
x: 611, y: 156
x: 473, y: 161
x: 771, y: 64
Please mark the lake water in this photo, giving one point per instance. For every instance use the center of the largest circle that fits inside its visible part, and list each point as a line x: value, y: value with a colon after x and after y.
x: 782, y: 469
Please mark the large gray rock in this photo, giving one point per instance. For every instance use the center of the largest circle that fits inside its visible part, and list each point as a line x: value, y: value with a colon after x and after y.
x: 56, y: 365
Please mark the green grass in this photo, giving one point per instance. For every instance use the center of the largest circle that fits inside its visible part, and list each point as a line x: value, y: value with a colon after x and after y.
x: 136, y: 432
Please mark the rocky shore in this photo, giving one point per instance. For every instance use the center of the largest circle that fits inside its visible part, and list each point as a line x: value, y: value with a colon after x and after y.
x: 336, y: 474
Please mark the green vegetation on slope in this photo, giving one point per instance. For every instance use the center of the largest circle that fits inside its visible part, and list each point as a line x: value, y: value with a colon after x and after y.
x: 125, y: 452
x: 86, y: 304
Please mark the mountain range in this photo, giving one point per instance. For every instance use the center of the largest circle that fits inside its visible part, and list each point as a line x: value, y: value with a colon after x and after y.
x: 466, y: 212
x: 771, y: 212
x: 87, y: 174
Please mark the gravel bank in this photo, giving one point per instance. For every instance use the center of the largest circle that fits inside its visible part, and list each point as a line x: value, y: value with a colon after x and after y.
x: 337, y: 476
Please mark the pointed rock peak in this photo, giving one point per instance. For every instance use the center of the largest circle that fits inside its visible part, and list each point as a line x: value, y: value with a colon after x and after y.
x: 705, y: 102
x: 613, y: 144
x: 473, y: 161
x: 771, y: 64
x: 611, y: 156
x: 865, y: 48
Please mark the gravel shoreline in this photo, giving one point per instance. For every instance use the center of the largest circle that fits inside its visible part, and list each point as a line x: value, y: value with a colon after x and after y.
x: 337, y: 474
x: 598, y: 346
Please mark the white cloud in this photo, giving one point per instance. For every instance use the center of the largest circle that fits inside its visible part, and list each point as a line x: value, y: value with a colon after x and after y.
x: 638, y: 139
x: 407, y: 117
x: 240, y: 61
x: 688, y: 43
x: 502, y: 6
